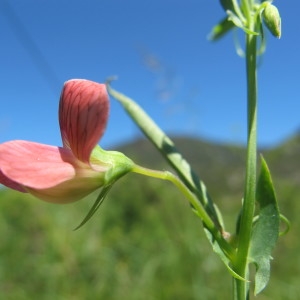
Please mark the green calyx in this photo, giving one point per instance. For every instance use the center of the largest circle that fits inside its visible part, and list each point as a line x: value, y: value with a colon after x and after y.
x: 118, y: 164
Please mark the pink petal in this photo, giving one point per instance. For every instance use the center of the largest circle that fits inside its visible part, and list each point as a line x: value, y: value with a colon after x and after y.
x: 34, y: 165
x: 10, y: 183
x: 83, y: 113
x: 68, y: 191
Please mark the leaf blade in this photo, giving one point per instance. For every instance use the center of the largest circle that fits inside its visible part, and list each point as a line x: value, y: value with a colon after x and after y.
x: 219, y: 30
x: 95, y: 206
x: 266, y: 230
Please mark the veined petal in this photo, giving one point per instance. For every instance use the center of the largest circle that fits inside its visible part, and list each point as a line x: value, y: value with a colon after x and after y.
x: 50, y: 173
x: 35, y: 165
x: 83, y: 114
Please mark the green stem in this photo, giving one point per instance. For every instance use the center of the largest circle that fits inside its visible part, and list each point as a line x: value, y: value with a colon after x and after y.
x: 167, y: 148
x: 208, y: 222
x: 244, y: 234
x: 246, y: 7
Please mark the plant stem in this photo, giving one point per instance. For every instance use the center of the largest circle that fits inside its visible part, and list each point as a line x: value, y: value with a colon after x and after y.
x: 246, y: 7
x: 244, y: 234
x: 167, y: 148
x: 206, y: 219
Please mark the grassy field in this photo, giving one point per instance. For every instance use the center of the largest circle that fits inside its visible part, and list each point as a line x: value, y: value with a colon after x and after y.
x: 144, y: 243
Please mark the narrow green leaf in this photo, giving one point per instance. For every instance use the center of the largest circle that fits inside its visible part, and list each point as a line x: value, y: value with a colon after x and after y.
x: 266, y: 229
x: 221, y: 29
x: 227, y: 4
x: 167, y: 148
x: 96, y: 205
x: 221, y: 254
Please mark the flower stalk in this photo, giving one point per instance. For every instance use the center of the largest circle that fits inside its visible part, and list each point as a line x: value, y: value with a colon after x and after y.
x: 167, y: 148
x: 197, y: 206
x: 249, y: 194
x: 247, y: 214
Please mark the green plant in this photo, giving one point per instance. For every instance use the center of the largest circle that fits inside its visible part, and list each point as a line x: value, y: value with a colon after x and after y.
x: 68, y: 173
x: 257, y: 227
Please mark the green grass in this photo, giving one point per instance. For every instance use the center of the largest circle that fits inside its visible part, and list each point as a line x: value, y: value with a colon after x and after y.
x: 143, y: 243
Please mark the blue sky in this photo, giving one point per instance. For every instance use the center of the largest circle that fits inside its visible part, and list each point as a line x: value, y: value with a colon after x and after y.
x: 160, y: 53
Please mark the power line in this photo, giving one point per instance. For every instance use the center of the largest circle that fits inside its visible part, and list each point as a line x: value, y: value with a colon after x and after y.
x: 25, y: 38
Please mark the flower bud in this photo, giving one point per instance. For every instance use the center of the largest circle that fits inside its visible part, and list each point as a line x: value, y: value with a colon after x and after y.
x: 272, y: 20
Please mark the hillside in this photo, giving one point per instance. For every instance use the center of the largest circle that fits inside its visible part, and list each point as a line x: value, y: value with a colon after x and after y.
x: 144, y: 242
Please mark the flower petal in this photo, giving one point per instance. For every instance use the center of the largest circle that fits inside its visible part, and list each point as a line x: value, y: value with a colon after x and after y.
x: 11, y: 184
x: 50, y: 173
x: 83, y: 113
x: 34, y: 165
x: 68, y: 191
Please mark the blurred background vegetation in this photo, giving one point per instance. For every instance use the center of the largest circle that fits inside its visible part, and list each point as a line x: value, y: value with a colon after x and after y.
x: 144, y: 242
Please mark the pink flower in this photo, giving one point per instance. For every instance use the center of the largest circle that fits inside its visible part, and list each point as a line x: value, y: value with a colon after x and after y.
x: 69, y: 173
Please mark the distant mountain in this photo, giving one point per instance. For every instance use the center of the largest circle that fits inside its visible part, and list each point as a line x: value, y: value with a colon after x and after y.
x: 284, y: 160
